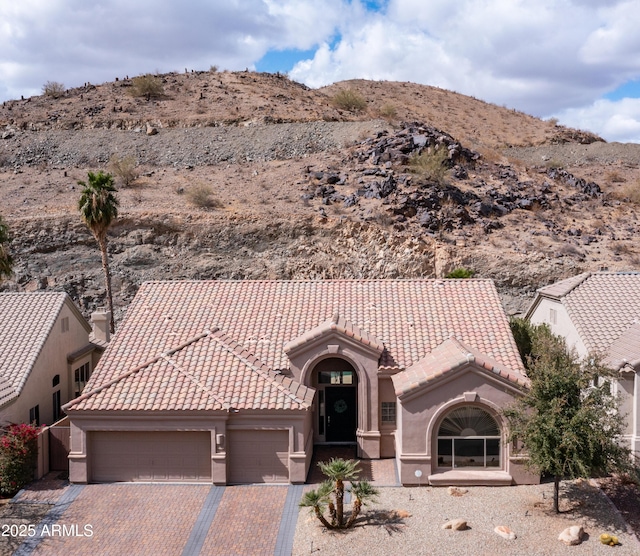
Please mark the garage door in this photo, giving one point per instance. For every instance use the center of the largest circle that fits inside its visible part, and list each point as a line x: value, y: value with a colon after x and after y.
x: 151, y: 456
x: 258, y: 456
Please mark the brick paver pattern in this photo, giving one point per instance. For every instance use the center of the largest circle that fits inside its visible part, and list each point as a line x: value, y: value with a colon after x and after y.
x: 141, y: 519
x: 247, y: 521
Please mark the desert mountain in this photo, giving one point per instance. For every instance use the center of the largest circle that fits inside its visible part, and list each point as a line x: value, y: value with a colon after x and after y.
x: 248, y: 175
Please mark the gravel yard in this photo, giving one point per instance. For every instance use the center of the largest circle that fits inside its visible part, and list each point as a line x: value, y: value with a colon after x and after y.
x: 527, y: 510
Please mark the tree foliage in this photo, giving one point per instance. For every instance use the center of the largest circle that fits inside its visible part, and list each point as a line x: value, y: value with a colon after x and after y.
x: 330, y: 494
x: 568, y: 420
x: 6, y: 261
x: 98, y: 206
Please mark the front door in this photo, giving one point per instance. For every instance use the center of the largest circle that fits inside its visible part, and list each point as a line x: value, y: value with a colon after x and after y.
x: 341, y: 413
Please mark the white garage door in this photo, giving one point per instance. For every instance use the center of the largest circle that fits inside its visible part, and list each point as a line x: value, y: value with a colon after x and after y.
x: 258, y: 456
x: 151, y: 456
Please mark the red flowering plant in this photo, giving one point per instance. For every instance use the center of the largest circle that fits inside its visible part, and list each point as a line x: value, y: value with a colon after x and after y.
x: 18, y: 457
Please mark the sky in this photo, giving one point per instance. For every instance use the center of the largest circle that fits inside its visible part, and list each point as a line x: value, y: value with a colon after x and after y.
x: 574, y: 60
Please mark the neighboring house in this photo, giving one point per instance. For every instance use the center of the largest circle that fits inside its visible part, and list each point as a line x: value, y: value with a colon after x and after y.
x: 236, y: 381
x: 46, y: 355
x: 599, y: 315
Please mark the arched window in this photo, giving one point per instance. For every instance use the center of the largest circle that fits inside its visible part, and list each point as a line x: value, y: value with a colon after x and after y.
x: 468, y: 437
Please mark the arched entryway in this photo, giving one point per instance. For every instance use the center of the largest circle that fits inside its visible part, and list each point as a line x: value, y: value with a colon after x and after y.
x: 468, y: 437
x: 336, y: 419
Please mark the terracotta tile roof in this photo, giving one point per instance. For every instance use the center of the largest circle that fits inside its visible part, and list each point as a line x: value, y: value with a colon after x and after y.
x: 563, y: 287
x: 25, y: 322
x: 447, y: 357
x: 602, y: 306
x: 626, y: 349
x: 340, y: 325
x: 409, y: 317
x: 207, y: 372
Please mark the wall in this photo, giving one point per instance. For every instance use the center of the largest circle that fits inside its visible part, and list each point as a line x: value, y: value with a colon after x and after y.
x: 52, y: 360
x: 422, y: 413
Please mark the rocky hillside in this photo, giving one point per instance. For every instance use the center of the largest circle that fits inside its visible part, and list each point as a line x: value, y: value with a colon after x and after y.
x: 245, y: 175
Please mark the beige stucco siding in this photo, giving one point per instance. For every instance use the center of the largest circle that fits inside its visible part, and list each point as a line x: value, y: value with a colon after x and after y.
x: 51, y: 361
x: 563, y: 326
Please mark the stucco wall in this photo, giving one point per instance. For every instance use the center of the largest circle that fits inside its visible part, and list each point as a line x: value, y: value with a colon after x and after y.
x: 422, y: 413
x: 562, y: 327
x: 52, y: 360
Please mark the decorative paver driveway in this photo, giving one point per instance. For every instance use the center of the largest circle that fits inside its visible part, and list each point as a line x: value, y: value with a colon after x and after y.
x: 141, y: 519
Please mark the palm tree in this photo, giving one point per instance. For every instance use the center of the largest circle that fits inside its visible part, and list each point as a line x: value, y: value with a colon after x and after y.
x: 98, y: 208
x: 6, y: 262
x: 338, y: 471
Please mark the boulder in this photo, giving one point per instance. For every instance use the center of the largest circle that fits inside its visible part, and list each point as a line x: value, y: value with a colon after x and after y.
x: 572, y: 535
x: 505, y: 532
x: 455, y: 525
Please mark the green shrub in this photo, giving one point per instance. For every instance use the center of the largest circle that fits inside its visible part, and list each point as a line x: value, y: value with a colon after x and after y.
x: 201, y: 196
x: 432, y: 164
x: 125, y: 168
x: 349, y: 99
x: 147, y: 86
x: 461, y: 272
x: 388, y: 111
x: 18, y: 457
x: 53, y: 89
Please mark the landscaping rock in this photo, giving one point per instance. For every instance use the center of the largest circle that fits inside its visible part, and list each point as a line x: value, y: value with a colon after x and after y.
x: 505, y: 532
x: 455, y: 525
x: 572, y: 535
x: 457, y: 491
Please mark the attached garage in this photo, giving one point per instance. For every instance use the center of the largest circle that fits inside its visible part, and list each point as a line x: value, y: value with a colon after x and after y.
x: 258, y: 456
x: 151, y: 456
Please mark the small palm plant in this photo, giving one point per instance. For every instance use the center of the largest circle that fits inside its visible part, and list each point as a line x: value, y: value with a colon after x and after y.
x: 330, y: 494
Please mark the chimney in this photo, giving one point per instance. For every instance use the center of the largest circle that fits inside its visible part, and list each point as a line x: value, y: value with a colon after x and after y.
x: 100, y: 320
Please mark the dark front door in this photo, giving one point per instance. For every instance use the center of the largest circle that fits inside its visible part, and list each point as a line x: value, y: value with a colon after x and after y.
x: 341, y: 413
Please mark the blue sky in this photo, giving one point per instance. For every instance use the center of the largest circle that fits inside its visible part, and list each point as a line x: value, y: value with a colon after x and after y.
x: 575, y: 60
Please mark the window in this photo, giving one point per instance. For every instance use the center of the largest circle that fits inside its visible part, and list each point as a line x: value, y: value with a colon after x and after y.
x: 335, y: 377
x: 57, y: 411
x: 55, y: 381
x: 64, y: 323
x: 34, y: 415
x: 553, y: 316
x: 81, y: 377
x: 468, y: 437
x: 388, y: 412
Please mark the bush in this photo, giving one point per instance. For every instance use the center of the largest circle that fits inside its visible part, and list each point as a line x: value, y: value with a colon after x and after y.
x: 433, y: 165
x: 124, y: 168
x: 202, y: 196
x: 18, y: 457
x: 53, y: 89
x: 461, y: 273
x: 147, y: 86
x: 388, y: 111
x: 349, y: 99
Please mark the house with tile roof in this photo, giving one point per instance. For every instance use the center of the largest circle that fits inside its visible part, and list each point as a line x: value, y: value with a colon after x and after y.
x: 598, y: 313
x: 237, y: 381
x: 47, y: 353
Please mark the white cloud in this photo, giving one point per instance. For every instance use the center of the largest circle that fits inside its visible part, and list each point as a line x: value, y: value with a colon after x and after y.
x: 540, y: 56
x: 615, y: 120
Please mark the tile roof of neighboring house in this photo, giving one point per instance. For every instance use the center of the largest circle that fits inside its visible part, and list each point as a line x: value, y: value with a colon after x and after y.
x: 25, y: 322
x: 409, y: 317
x: 208, y: 372
x: 626, y: 349
x: 447, y: 357
x: 601, y: 305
